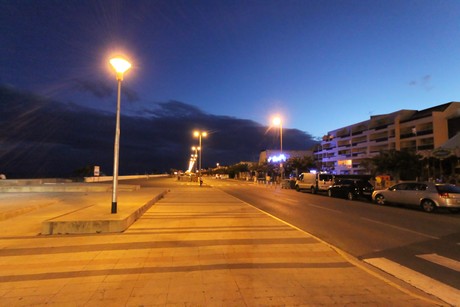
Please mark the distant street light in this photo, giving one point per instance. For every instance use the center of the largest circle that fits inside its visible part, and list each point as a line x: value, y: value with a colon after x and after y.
x: 199, y: 135
x: 120, y: 65
x: 196, y: 149
x: 277, y: 122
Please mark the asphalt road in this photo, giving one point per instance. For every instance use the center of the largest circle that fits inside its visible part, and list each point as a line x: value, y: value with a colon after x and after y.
x: 425, y: 243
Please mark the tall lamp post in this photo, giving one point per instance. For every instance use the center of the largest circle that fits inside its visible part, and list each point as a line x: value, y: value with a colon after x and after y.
x: 120, y: 65
x: 277, y: 122
x: 199, y: 135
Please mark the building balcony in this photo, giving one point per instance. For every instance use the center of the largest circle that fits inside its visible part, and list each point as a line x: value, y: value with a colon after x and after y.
x: 381, y: 139
x: 381, y: 127
x: 425, y: 132
x: 426, y: 147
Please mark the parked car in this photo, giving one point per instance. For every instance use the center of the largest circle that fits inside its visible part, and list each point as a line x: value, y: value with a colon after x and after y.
x: 314, y: 182
x: 351, y: 189
x: 428, y: 195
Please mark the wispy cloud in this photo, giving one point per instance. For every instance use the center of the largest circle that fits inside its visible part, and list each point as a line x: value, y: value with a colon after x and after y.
x: 423, y: 82
x: 101, y: 89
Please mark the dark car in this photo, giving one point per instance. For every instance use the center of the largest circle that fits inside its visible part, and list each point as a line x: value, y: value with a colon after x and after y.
x: 351, y: 189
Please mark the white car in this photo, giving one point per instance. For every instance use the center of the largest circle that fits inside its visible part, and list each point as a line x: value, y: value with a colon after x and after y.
x: 427, y: 195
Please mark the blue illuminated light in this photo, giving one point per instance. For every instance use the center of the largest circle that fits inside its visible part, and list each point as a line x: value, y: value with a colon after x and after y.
x: 278, y: 158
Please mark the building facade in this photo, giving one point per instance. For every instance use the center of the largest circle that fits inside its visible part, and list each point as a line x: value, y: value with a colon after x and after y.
x: 344, y: 150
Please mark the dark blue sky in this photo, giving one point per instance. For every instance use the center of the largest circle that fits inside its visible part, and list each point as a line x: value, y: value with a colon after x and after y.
x: 321, y: 64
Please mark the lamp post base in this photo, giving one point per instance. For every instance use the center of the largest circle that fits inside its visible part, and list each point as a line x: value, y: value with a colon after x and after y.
x: 114, y: 207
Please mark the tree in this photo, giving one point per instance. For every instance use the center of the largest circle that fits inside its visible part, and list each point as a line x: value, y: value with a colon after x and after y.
x: 299, y: 164
x: 369, y: 166
x: 86, y: 171
x: 263, y: 168
x: 236, y: 169
x: 404, y: 165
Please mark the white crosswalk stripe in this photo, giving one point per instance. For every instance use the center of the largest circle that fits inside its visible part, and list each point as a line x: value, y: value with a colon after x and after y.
x: 423, y: 282
x: 444, y: 261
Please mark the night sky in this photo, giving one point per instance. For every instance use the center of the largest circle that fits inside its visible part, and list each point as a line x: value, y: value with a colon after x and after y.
x: 224, y: 66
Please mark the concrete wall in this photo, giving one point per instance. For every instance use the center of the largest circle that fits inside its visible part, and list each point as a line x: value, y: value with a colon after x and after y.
x: 110, y: 178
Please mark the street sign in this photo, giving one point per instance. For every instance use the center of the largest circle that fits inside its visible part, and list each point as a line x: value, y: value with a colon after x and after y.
x: 441, y: 153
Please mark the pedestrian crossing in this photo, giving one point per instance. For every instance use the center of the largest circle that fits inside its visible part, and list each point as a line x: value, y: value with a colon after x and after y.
x: 423, y: 282
x: 441, y: 260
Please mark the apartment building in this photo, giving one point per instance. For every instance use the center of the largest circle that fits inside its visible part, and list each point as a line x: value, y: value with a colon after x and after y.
x: 344, y: 150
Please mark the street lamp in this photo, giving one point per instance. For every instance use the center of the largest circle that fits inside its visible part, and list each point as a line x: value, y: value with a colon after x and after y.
x: 199, y: 135
x: 120, y: 65
x: 196, y: 149
x: 277, y: 122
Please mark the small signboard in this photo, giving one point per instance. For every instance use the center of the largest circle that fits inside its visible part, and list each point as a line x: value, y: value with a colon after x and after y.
x: 96, y: 171
x: 441, y: 153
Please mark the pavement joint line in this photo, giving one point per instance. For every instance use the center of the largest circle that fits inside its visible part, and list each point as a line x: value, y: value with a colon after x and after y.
x: 70, y: 212
x: 353, y: 260
x: 15, y: 212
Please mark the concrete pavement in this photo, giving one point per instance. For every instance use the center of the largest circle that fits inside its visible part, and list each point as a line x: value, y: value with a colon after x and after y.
x: 193, y: 247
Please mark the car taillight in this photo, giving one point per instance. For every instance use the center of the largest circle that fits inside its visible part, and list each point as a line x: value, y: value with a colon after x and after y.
x: 444, y: 194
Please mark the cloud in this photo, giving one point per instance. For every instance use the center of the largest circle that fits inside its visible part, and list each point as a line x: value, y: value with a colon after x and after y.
x: 130, y: 94
x: 101, y: 89
x: 45, y: 138
x: 176, y: 109
x: 423, y: 82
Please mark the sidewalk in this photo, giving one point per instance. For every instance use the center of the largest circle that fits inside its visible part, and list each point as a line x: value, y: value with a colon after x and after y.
x: 195, y: 247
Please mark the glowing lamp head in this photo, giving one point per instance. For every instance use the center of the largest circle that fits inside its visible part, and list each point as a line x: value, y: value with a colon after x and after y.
x: 199, y: 133
x: 120, y: 65
x: 277, y: 121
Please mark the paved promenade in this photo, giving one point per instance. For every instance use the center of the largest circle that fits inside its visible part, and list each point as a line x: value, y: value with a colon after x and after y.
x: 197, y: 246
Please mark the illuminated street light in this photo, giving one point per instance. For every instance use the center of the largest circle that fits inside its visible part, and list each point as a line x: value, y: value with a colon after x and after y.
x: 277, y: 122
x: 120, y: 65
x: 199, y: 135
x: 191, y: 163
x: 196, y: 149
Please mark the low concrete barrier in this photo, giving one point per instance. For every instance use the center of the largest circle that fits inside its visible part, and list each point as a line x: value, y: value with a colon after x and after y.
x: 93, y: 219
x: 23, y: 182
x: 126, y: 177
x: 67, y: 187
